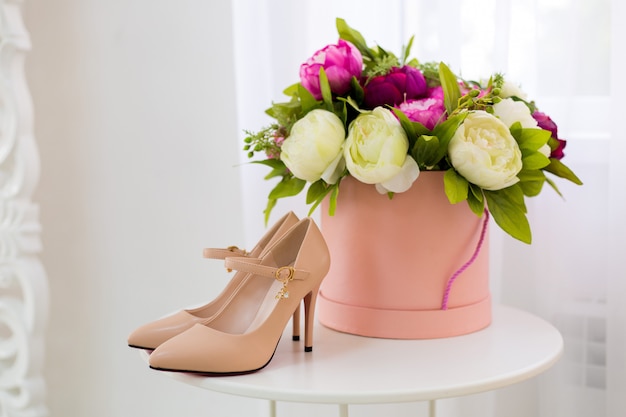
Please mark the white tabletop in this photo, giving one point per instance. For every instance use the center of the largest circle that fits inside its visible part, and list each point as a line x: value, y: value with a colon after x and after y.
x: 348, y: 369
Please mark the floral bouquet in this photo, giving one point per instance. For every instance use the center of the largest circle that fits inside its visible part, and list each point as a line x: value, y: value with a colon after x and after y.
x: 364, y: 112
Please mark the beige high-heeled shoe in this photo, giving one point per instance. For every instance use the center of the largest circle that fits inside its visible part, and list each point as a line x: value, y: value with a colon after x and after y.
x: 151, y: 335
x: 242, y: 338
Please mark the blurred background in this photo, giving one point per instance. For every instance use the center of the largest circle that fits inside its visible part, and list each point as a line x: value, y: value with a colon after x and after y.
x: 140, y: 108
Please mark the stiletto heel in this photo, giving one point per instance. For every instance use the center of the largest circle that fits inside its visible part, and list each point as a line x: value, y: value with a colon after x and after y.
x: 295, y: 333
x: 243, y: 337
x: 309, y: 317
x: 151, y: 335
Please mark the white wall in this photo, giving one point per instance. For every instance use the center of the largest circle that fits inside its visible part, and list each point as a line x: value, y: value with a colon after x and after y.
x: 135, y: 123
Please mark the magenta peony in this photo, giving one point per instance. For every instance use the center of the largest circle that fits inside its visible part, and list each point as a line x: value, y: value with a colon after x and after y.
x: 428, y: 111
x: 341, y: 62
x: 397, y: 86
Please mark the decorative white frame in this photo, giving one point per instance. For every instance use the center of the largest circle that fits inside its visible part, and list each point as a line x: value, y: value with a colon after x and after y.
x: 23, y: 282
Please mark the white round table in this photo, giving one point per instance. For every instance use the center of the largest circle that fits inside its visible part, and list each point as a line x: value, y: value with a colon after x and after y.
x: 346, y: 369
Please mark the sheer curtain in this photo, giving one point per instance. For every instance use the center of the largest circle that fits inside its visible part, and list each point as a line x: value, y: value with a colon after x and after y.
x: 565, y: 54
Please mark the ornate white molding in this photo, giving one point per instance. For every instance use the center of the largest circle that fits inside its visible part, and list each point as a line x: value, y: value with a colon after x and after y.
x: 23, y: 283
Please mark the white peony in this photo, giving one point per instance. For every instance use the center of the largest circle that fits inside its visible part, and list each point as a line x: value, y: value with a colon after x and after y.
x: 314, y: 147
x: 401, y: 181
x: 484, y: 152
x: 511, y: 111
x: 510, y: 89
x: 376, y: 152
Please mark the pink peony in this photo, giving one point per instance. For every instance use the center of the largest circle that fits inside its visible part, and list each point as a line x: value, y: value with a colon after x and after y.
x: 546, y: 123
x: 399, y: 85
x: 428, y: 111
x: 341, y: 62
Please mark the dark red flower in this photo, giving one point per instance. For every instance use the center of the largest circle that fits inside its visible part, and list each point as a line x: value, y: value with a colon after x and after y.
x: 545, y: 122
x: 397, y: 86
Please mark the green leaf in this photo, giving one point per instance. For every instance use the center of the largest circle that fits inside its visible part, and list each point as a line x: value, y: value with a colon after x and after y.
x: 509, y: 211
x: 278, y: 167
x: 407, y: 124
x: 561, y: 170
x: 425, y: 151
x: 531, y: 175
x: 341, y: 110
x: 413, y: 63
x: 383, y: 53
x: 349, y: 100
x: 285, y: 113
x: 307, y: 101
x: 516, y: 131
x: 535, y: 160
x: 292, y: 90
x: 288, y: 187
x: 476, y: 200
x: 530, y: 139
x: 271, y: 203
x: 477, y: 192
x: 406, y: 50
x: 455, y: 186
x: 553, y: 143
x: 412, y: 129
x: 420, y: 129
x: 554, y: 187
x: 327, y: 95
x: 531, y: 181
x: 450, y: 85
x: 531, y: 188
x: 353, y: 36
x: 332, y: 202
x: 444, y: 132
x: 358, y: 94
x: 317, y: 192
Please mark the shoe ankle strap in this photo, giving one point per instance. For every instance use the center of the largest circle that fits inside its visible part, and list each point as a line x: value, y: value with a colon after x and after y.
x: 223, y: 253
x: 253, y: 266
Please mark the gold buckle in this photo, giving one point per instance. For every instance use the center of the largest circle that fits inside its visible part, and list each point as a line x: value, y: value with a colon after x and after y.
x: 284, y: 293
x: 237, y: 249
x: 289, y: 276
